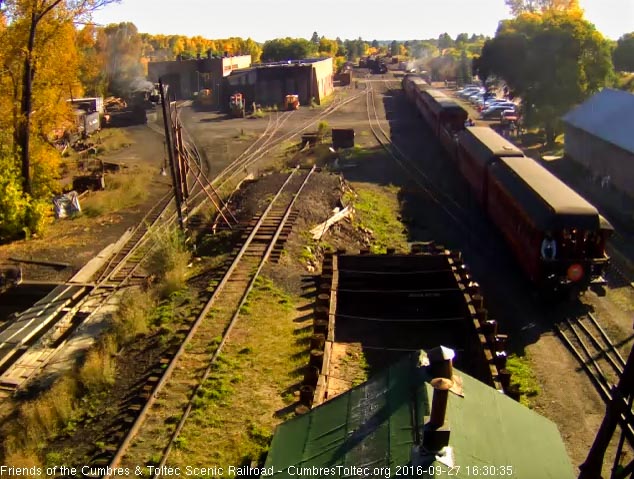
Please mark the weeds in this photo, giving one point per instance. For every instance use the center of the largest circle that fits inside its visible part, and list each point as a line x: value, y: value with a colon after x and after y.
x: 168, y: 261
x: 376, y: 213
x: 112, y: 139
x: 123, y: 190
x: 99, y: 369
x: 132, y: 317
x: 322, y: 128
x: 523, y: 376
x: 46, y: 416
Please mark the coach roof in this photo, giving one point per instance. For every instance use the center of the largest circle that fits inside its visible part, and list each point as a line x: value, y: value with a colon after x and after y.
x: 546, y: 199
x: 484, y: 144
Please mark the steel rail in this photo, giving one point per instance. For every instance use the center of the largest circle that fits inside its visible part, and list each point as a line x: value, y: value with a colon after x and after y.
x: 234, y: 317
x: 197, y: 322
x: 587, y: 359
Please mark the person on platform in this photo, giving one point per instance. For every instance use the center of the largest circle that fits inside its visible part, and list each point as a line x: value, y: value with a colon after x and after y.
x: 549, y: 247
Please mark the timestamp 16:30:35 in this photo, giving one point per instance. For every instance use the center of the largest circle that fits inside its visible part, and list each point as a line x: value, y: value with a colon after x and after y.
x: 477, y: 470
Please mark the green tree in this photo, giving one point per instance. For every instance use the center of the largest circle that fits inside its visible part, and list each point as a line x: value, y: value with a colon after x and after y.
x: 623, y: 55
x: 355, y: 48
x: 288, y: 48
x: 315, y: 38
x: 445, y: 41
x: 462, y: 38
x: 464, y: 69
x: 375, y: 44
x: 552, y: 61
x: 395, y: 48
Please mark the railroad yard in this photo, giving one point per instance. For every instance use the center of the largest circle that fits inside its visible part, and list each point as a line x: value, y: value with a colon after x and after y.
x: 225, y: 359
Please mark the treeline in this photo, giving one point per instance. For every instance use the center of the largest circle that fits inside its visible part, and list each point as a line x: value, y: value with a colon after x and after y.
x: 549, y: 55
x: 553, y: 59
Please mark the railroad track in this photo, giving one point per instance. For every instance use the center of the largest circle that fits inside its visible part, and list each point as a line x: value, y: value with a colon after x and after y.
x: 592, y: 347
x: 179, y: 382
x: 271, y: 138
x: 123, y: 267
x: 458, y: 214
x: 599, y: 358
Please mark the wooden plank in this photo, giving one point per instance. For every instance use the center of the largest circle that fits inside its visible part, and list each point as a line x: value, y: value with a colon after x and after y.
x: 333, y: 299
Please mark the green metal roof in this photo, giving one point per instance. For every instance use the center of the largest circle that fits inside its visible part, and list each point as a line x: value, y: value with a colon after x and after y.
x: 373, y: 426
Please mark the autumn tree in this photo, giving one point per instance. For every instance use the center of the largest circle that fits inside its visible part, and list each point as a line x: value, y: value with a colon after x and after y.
x: 552, y: 61
x: 30, y: 16
x: 623, y: 55
x: 92, y: 61
x: 518, y: 7
x: 328, y: 47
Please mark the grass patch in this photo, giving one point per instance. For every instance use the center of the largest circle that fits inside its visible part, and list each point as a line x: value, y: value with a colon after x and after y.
x: 99, y: 369
x: 123, y: 190
x: 376, y: 212
x: 258, y: 113
x: 112, y: 139
x: 133, y: 316
x: 42, y: 418
x: 522, y: 375
x: 169, y: 260
x: 358, y: 153
x: 250, y: 382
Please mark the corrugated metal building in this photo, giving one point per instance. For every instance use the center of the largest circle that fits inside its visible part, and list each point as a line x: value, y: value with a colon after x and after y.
x: 268, y: 84
x: 599, y: 134
x: 379, y: 425
x: 188, y: 76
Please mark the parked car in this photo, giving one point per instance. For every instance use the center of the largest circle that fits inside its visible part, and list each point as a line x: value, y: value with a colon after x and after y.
x: 475, y: 97
x: 509, y: 116
x: 506, y: 103
x: 493, y: 112
x: 468, y: 92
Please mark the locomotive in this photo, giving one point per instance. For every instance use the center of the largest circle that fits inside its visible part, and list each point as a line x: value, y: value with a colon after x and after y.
x: 557, y: 237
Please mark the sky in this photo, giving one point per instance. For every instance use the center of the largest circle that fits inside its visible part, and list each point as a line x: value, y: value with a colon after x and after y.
x: 370, y: 19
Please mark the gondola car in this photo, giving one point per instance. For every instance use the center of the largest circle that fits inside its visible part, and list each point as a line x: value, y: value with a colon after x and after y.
x: 527, y: 203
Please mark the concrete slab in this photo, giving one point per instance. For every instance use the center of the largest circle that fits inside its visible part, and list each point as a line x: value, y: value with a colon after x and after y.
x: 86, y: 274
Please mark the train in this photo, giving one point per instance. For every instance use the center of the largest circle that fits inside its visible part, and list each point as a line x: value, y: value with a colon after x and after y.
x: 557, y: 237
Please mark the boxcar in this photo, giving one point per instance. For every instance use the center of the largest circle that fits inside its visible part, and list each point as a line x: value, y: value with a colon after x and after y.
x: 527, y: 202
x: 478, y: 147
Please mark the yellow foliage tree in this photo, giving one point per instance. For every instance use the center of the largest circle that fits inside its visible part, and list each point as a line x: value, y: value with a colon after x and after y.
x: 34, y: 26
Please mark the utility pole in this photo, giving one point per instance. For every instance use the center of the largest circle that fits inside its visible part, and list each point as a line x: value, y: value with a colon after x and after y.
x: 620, y: 405
x: 170, y: 154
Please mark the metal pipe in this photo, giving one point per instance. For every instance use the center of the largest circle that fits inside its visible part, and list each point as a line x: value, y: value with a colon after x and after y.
x: 439, y: 402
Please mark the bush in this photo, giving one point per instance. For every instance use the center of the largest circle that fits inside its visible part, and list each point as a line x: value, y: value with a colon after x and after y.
x: 168, y: 261
x: 133, y: 316
x: 322, y: 128
x: 45, y: 416
x: 98, y: 371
